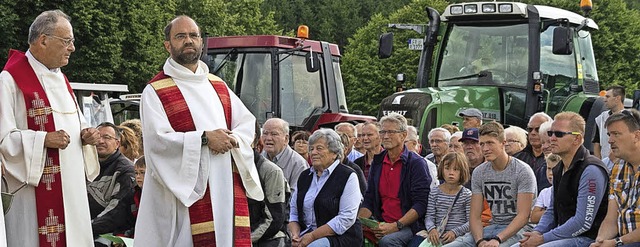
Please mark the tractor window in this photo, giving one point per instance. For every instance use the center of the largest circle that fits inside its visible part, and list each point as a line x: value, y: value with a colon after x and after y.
x: 249, y: 76
x: 559, y: 72
x: 588, y: 59
x: 342, y: 99
x: 495, y: 55
x: 561, y: 69
x: 300, y: 90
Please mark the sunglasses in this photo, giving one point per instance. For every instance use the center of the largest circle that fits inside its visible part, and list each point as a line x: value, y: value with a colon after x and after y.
x: 531, y: 129
x: 561, y: 134
x: 630, y: 114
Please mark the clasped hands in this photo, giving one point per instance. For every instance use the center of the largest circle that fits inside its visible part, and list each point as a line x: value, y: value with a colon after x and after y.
x: 384, y: 229
x: 221, y: 141
x: 61, y: 139
x: 531, y: 239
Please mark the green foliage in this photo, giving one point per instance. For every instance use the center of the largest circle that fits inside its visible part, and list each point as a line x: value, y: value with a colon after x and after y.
x: 633, y: 4
x: 369, y: 79
x: 333, y: 21
x: 121, y: 42
x: 616, y: 43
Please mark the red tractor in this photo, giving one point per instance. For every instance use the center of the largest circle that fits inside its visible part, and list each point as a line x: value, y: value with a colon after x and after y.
x: 295, y: 79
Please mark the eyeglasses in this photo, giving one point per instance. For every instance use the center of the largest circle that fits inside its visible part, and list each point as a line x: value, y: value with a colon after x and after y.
x: 383, y: 132
x: 561, y: 134
x: 531, y: 129
x: 107, y: 137
x: 512, y: 141
x: 183, y: 36
x: 436, y: 141
x: 65, y: 42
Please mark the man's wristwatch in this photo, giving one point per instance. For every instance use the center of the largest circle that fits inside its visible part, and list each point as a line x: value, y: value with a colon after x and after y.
x: 619, y: 242
x: 494, y: 238
x: 204, y: 139
x: 399, y: 225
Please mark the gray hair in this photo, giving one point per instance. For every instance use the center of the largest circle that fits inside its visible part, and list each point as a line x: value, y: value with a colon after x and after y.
x: 457, y: 134
x: 284, y: 125
x: 412, y: 133
x: 542, y: 115
x: 544, y: 127
x: 45, y: 23
x: 334, y: 142
x: 396, y: 118
x: 521, y: 134
x: 445, y: 132
x: 348, y: 125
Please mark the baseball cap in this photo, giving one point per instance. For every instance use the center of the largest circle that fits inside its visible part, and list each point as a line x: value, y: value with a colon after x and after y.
x: 470, y: 112
x: 470, y: 134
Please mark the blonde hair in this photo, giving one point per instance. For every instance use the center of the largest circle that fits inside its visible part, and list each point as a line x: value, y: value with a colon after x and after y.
x: 493, y: 129
x: 576, y: 122
x: 129, y: 140
x: 136, y: 126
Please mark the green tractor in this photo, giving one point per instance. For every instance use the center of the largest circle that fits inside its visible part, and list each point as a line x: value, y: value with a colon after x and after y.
x: 508, y: 59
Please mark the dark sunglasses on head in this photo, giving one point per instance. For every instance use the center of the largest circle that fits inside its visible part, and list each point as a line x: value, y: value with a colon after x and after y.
x: 630, y: 114
x: 561, y: 134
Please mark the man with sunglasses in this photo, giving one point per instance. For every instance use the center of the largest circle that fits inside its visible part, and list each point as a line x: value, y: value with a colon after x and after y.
x: 112, y: 191
x: 578, y: 205
x: 46, y: 141
x: 532, y: 154
x: 620, y: 226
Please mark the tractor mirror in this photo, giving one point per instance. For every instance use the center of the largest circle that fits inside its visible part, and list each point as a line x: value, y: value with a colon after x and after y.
x: 562, y: 40
x: 385, y: 45
x: 313, y: 63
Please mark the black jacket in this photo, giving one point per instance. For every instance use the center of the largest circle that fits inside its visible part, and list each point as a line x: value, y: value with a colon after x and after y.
x: 110, y: 195
x: 565, y: 190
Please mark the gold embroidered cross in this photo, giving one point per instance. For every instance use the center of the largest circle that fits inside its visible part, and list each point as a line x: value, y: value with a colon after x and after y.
x: 39, y: 111
x: 51, y: 229
x: 50, y: 170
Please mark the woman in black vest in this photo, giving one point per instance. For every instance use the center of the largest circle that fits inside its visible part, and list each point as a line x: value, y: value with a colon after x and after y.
x: 324, y: 208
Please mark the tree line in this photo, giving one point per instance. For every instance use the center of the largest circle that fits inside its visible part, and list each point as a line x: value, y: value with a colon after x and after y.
x: 120, y: 42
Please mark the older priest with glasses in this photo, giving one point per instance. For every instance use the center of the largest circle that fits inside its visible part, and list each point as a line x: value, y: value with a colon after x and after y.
x: 45, y: 141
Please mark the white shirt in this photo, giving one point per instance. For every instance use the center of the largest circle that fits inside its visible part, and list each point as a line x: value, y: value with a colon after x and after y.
x: 24, y: 153
x: 179, y: 167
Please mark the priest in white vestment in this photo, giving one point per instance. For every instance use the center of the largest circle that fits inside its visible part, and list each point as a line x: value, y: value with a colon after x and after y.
x: 24, y: 150
x: 179, y: 164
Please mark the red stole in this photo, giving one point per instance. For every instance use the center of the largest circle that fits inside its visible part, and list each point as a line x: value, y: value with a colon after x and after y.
x: 49, y: 202
x: 181, y: 120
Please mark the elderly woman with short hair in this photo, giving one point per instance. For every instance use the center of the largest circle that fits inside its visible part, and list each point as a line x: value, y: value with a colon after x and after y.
x: 325, y: 205
x: 516, y: 139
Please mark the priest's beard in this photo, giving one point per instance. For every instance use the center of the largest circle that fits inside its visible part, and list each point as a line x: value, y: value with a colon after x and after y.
x: 186, y: 58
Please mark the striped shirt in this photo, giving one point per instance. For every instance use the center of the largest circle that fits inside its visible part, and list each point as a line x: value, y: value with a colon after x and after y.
x: 438, y: 205
x: 625, y: 190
